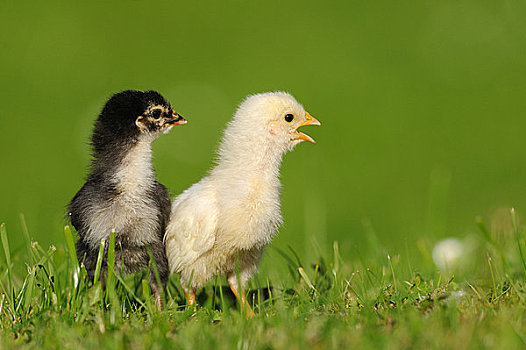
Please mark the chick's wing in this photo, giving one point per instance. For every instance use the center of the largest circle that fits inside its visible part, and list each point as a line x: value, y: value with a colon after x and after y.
x: 192, y: 228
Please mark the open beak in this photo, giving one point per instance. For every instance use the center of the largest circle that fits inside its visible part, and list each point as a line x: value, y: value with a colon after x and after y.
x: 309, y: 120
x: 176, y: 119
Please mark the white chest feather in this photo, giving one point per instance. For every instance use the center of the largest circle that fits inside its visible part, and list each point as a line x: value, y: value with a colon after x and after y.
x: 131, y: 211
x: 251, y: 214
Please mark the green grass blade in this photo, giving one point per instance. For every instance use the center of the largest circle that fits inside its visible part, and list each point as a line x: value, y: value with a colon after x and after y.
x: 291, y: 265
x: 100, y: 257
x: 110, y: 283
x: 269, y: 293
x: 147, y: 296
x: 115, y: 311
x: 494, y: 290
x: 25, y: 231
x: 7, y: 253
x: 2, y: 304
x: 28, y: 295
x: 337, y: 258
x: 395, y: 282
x: 129, y: 290
x: 71, y: 246
x: 517, y: 237
x: 53, y: 279
x: 296, y: 256
x: 72, y: 255
x: 224, y: 307
x: 307, y: 279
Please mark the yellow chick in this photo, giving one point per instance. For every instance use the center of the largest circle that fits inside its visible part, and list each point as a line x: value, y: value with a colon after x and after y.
x: 222, y: 224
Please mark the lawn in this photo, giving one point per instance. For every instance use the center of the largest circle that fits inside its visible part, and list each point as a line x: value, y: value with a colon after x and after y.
x: 377, y: 302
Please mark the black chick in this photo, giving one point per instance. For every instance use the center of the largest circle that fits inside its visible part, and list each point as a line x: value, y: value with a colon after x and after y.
x: 121, y: 191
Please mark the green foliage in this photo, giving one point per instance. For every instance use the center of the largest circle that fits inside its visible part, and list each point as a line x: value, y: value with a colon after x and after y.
x: 422, y: 105
x: 334, y: 303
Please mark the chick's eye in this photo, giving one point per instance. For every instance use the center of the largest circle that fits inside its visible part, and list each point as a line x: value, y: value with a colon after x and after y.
x: 156, y: 113
x: 289, y: 117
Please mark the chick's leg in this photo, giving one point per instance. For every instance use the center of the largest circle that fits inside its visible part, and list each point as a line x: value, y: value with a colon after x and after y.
x: 240, y: 296
x: 161, y: 263
x: 156, y: 290
x: 190, y: 299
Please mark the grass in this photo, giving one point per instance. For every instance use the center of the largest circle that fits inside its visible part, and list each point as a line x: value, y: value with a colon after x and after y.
x: 422, y: 110
x: 334, y: 302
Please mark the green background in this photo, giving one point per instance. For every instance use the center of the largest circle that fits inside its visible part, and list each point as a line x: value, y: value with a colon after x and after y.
x: 422, y: 105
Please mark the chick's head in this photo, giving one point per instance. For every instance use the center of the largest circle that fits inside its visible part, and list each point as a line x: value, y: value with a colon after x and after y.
x: 134, y: 113
x: 275, y: 118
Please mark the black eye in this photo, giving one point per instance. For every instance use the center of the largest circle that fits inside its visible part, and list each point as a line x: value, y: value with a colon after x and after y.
x: 289, y: 117
x: 156, y: 113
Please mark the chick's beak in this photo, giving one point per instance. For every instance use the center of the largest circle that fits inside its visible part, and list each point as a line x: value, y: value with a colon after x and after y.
x: 175, y: 119
x: 308, y: 120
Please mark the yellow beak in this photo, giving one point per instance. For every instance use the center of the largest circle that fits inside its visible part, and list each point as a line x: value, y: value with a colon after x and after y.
x: 309, y: 120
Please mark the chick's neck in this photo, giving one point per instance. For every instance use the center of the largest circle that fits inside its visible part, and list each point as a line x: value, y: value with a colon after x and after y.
x: 124, y: 161
x: 249, y: 159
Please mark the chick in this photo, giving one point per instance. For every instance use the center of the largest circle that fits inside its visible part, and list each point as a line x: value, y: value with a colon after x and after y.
x: 222, y: 224
x: 121, y: 192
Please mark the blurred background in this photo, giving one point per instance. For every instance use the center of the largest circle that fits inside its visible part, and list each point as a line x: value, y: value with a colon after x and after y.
x: 422, y: 104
